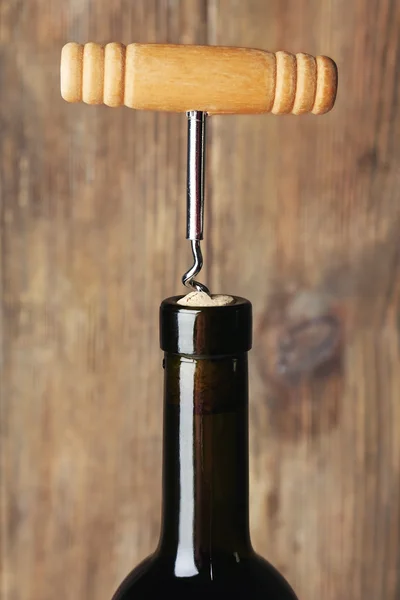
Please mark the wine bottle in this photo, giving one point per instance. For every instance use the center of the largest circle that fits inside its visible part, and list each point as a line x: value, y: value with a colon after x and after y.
x: 205, y: 549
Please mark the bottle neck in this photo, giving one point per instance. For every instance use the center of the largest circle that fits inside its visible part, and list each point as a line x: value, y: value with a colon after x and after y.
x: 205, y: 462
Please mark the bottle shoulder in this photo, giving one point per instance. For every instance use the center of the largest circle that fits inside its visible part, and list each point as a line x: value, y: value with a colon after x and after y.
x: 252, y: 578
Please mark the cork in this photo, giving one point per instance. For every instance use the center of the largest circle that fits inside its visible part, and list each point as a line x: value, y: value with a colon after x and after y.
x: 203, y: 299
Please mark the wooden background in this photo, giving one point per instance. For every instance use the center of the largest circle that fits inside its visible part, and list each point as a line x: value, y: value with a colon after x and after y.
x: 302, y: 217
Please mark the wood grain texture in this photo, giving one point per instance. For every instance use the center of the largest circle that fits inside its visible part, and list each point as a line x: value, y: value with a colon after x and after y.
x: 92, y: 239
x: 213, y: 79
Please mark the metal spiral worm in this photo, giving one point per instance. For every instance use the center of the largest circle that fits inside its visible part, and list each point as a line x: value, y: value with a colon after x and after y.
x: 188, y: 278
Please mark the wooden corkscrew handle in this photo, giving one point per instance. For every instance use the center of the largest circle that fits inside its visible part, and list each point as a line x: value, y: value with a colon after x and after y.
x: 212, y: 79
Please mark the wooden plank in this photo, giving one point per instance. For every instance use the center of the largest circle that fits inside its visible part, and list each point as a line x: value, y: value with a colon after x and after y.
x: 305, y: 221
x: 93, y: 238
x: 302, y: 218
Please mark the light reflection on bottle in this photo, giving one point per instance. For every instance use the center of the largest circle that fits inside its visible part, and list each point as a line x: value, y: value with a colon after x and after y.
x: 185, y: 565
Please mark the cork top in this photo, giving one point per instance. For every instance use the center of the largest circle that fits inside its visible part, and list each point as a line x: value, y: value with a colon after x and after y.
x: 203, y: 299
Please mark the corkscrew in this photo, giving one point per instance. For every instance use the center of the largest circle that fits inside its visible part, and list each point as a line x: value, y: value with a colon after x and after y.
x: 199, y: 81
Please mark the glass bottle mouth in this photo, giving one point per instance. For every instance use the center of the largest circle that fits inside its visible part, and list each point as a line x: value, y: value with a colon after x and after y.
x: 206, y: 331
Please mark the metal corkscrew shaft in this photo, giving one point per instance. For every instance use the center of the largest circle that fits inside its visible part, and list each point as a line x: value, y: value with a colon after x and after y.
x: 195, y: 194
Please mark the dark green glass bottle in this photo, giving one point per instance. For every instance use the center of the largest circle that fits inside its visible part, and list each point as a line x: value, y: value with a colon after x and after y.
x: 205, y: 549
